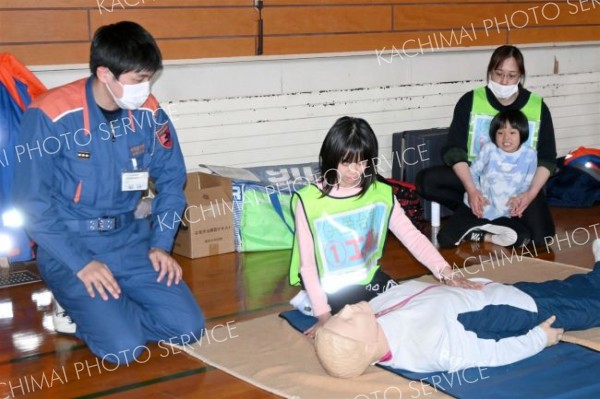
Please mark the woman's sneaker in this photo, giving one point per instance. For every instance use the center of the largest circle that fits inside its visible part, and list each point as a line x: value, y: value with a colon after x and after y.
x: 499, y: 235
x: 62, y: 321
x: 475, y: 235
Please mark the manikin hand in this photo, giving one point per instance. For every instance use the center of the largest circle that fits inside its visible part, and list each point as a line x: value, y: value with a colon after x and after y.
x: 553, y: 335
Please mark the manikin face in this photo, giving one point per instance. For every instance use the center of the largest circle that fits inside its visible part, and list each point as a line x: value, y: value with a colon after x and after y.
x: 357, y: 322
x: 508, y: 138
x: 507, y: 72
x: 350, y: 341
x: 350, y: 174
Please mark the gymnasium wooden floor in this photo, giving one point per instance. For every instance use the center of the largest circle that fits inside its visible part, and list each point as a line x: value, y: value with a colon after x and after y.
x: 35, y: 362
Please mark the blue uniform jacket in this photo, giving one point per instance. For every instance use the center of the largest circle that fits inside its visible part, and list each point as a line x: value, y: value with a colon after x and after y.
x: 69, y: 163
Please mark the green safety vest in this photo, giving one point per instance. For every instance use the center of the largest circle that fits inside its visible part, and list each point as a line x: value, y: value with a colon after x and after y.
x: 482, y: 114
x: 348, y: 234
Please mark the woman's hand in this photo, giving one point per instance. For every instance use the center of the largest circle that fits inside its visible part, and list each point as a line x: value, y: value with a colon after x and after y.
x: 322, y: 320
x: 477, y: 202
x: 519, y: 203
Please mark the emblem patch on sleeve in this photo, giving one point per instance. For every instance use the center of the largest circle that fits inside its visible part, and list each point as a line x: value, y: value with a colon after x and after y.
x: 164, y: 136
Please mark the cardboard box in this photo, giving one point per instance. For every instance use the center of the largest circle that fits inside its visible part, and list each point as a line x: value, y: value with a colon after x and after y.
x: 207, y: 222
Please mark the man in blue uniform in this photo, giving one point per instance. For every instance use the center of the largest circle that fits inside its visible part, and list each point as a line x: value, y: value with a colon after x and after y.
x: 86, y: 152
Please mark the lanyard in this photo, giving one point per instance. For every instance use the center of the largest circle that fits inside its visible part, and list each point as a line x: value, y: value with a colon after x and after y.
x: 403, y: 302
x: 406, y: 300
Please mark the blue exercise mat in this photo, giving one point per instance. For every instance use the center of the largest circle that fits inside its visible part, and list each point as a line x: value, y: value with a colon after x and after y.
x: 564, y: 371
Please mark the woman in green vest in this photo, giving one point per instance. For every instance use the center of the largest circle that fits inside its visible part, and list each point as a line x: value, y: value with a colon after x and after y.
x: 468, y: 132
x: 342, y: 223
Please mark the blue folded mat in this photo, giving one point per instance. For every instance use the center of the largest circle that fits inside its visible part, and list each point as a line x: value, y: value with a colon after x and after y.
x: 559, y: 372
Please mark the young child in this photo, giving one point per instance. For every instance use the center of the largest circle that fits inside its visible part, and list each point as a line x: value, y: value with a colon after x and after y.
x: 342, y: 223
x: 503, y: 169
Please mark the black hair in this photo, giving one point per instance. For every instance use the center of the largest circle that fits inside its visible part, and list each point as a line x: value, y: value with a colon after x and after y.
x: 515, y: 118
x: 349, y: 140
x: 503, y: 53
x: 124, y: 47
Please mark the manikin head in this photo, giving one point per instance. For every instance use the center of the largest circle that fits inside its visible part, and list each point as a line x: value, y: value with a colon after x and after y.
x: 350, y: 341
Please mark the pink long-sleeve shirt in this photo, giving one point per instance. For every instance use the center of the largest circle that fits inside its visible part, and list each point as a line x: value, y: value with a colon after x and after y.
x: 400, y: 225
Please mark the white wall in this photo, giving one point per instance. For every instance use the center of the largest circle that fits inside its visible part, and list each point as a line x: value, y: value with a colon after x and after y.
x: 258, y: 111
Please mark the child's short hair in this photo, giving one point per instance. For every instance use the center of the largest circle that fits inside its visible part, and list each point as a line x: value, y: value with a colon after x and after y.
x: 349, y: 140
x: 515, y: 118
x: 123, y: 47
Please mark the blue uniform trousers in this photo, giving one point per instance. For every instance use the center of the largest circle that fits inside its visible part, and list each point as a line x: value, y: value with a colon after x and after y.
x: 117, y: 330
x: 575, y: 301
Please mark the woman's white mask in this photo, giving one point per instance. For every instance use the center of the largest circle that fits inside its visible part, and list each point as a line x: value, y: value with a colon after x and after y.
x: 502, y: 92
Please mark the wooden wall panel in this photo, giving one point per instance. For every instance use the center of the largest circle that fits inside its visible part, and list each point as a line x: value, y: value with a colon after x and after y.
x: 473, y: 23
x: 186, y: 23
x: 414, y: 17
x: 46, y: 4
x: 224, y: 28
x: 271, y: 3
x: 49, y: 54
x: 205, y: 48
x: 184, y: 28
x: 115, y: 5
x: 306, y: 20
x: 566, y: 33
x: 43, y: 26
x: 490, y: 16
x: 403, y: 44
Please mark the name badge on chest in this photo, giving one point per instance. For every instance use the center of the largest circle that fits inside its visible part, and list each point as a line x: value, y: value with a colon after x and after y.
x: 135, y: 180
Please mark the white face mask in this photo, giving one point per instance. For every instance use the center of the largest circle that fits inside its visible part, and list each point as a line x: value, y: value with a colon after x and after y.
x: 502, y: 92
x: 134, y: 95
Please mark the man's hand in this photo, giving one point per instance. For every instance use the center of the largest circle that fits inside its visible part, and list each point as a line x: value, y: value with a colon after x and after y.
x: 553, y: 335
x: 322, y: 319
x: 165, y: 265
x: 96, y: 276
